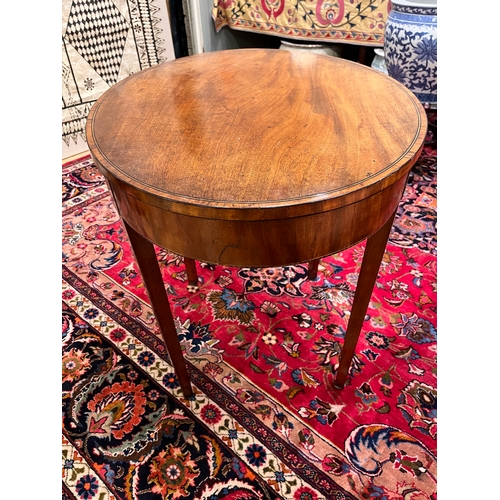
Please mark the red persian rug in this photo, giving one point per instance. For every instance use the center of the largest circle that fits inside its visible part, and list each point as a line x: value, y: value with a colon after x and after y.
x: 262, y: 348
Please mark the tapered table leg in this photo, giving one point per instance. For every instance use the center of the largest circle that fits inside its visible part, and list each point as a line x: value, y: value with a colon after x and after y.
x: 145, y: 257
x: 312, y: 269
x: 372, y: 258
x: 192, y: 274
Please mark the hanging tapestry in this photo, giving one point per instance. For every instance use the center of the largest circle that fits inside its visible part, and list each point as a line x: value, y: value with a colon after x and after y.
x: 359, y: 22
x: 104, y: 41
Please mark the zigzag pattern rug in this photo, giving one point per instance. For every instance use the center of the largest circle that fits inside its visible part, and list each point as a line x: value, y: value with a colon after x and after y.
x: 104, y: 41
x: 262, y: 349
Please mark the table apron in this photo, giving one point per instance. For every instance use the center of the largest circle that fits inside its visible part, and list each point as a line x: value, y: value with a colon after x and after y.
x: 260, y: 243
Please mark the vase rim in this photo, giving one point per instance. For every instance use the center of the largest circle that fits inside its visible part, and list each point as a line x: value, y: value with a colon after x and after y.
x: 306, y: 45
x: 415, y: 3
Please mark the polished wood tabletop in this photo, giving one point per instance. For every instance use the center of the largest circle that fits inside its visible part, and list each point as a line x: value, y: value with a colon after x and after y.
x: 256, y: 158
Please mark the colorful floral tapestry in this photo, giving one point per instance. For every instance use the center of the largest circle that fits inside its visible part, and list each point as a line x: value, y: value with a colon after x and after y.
x: 262, y: 349
x: 359, y: 22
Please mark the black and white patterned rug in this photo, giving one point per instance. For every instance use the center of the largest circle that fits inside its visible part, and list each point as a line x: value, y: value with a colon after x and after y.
x: 104, y: 41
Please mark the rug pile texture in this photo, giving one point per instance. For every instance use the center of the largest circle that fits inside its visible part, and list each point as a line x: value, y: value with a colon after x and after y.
x: 262, y: 348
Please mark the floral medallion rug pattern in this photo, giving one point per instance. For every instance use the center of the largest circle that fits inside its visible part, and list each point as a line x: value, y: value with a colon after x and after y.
x: 262, y: 348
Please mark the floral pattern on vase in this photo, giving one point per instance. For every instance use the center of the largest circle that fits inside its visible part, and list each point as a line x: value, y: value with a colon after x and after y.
x: 410, y: 47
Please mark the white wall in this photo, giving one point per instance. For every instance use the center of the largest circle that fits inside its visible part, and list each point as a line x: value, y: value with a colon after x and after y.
x: 213, y: 41
x: 200, y: 14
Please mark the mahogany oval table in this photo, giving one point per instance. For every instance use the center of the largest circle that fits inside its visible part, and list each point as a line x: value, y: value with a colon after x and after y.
x: 256, y: 158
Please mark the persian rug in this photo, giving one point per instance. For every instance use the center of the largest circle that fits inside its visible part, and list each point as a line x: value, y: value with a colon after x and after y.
x: 360, y: 22
x: 104, y: 41
x: 262, y: 349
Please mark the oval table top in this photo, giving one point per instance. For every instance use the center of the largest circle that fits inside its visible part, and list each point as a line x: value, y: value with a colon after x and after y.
x: 255, y: 134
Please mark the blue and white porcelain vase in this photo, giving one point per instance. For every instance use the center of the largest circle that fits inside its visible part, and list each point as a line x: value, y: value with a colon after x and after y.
x: 410, y: 47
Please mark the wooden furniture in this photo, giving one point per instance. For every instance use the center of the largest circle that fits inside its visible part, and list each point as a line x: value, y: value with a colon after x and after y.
x: 256, y: 158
